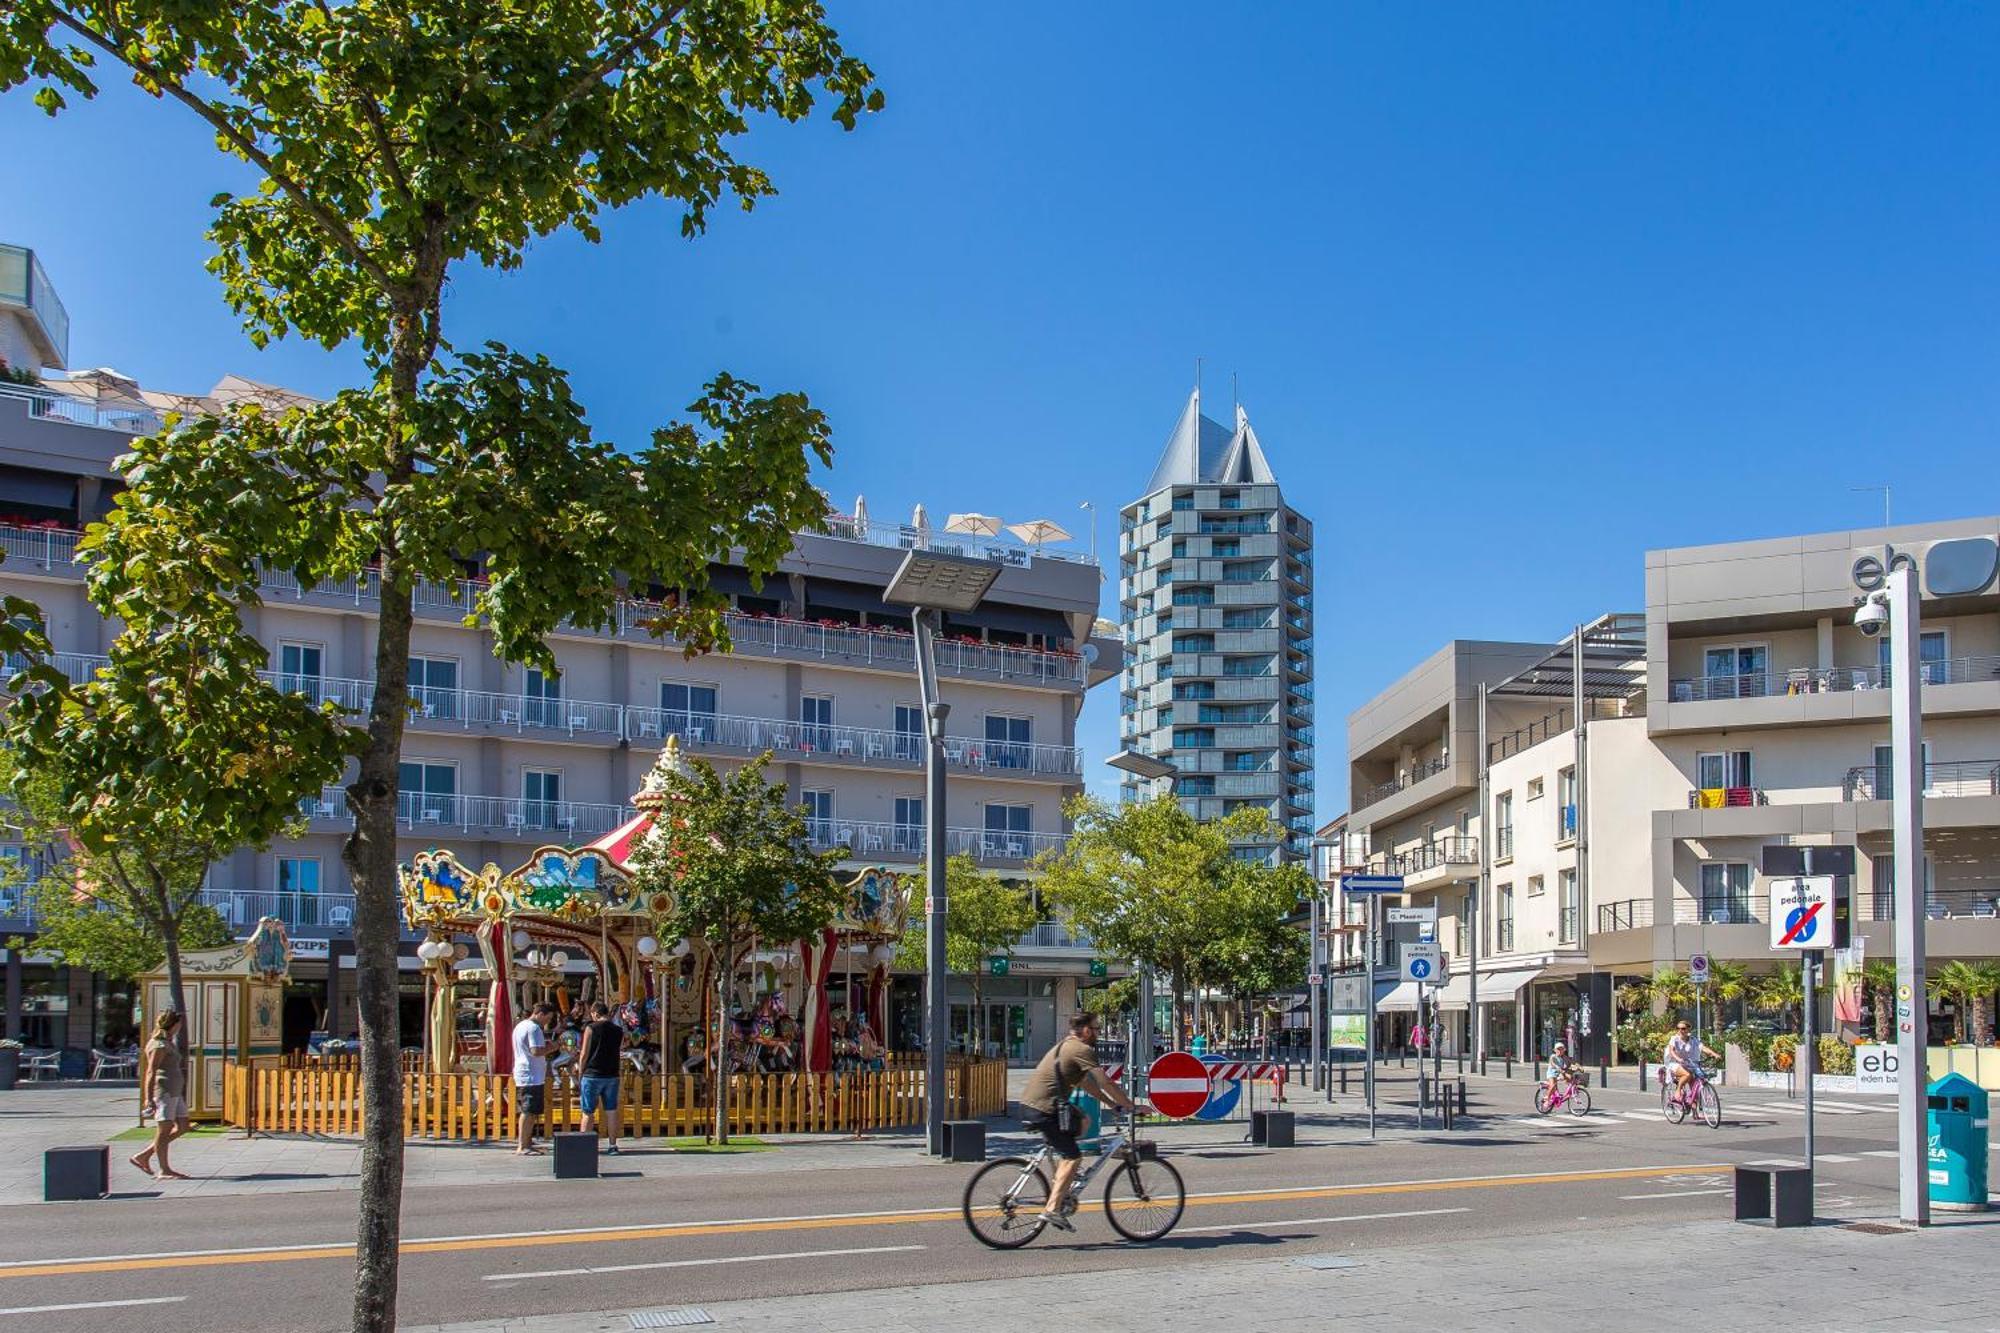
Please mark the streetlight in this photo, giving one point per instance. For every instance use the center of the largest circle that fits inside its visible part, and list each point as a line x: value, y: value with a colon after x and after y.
x: 931, y: 583
x: 1894, y: 607
x: 1152, y: 768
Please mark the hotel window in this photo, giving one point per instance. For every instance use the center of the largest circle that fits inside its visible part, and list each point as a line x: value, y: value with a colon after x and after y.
x: 1503, y: 920
x: 434, y: 685
x: 1725, y: 893
x: 1885, y: 780
x: 907, y: 835
x: 1566, y: 805
x: 687, y: 710
x: 541, y: 698
x: 1735, y: 671
x: 1006, y: 830
x: 1566, y: 906
x: 909, y: 738
x: 816, y: 721
x: 1933, y: 657
x: 427, y: 792
x: 298, y: 874
x: 299, y: 669
x: 1503, y: 825
x: 1534, y: 886
x: 818, y: 810
x: 1723, y: 770
x: 1009, y: 741
x: 541, y: 798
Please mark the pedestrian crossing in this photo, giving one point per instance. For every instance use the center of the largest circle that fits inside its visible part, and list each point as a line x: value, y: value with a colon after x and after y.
x: 1732, y: 1108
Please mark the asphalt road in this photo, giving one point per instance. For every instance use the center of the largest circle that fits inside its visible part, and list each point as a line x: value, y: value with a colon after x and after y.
x: 284, y: 1261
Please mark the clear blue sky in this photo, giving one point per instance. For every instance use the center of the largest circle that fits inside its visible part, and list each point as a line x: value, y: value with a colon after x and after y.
x: 1512, y: 295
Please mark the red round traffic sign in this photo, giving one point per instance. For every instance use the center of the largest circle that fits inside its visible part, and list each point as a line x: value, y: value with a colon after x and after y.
x: 1177, y: 1085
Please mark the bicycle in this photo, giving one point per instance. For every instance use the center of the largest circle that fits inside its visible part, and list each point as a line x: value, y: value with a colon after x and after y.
x: 1701, y: 1099
x: 1571, y: 1093
x: 1143, y: 1198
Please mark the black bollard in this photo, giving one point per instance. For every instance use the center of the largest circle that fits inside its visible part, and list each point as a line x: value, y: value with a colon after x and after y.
x: 1603, y: 1071
x: 1343, y: 1078
x: 1510, y: 1064
x: 1461, y: 1096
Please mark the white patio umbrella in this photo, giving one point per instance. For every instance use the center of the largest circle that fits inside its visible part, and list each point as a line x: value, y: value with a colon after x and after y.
x: 921, y: 521
x: 977, y: 525
x: 861, y: 514
x: 1038, y: 530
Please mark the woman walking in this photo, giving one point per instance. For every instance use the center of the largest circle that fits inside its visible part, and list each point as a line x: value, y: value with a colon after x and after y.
x: 163, y: 1086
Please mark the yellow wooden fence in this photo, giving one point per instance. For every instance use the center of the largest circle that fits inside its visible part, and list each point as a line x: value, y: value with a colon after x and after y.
x: 271, y: 1097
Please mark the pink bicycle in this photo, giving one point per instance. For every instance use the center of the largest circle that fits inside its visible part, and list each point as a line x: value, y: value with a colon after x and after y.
x: 1699, y: 1099
x: 1569, y: 1093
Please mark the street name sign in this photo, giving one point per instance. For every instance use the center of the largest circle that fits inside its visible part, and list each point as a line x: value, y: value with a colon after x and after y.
x: 1426, y: 915
x: 1177, y: 1085
x: 1371, y: 883
x: 1423, y: 962
x: 1802, y: 912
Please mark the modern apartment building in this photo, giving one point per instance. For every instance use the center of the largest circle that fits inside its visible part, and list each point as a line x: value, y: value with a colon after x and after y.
x: 1742, y: 710
x: 1215, y: 598
x: 502, y: 758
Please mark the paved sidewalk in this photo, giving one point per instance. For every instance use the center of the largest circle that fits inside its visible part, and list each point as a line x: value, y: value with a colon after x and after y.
x: 1736, y: 1276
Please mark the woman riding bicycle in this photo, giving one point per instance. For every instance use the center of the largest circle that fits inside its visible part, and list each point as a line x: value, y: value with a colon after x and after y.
x: 1683, y: 1057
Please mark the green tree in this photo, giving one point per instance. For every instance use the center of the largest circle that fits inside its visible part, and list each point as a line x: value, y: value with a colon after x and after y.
x: 395, y: 141
x: 1783, y: 993
x: 1112, y: 1001
x: 1727, y: 982
x: 1985, y: 982
x: 1256, y: 952
x: 984, y: 919
x: 739, y: 865
x: 93, y: 932
x: 1151, y: 884
x: 1969, y: 986
x: 1878, y: 978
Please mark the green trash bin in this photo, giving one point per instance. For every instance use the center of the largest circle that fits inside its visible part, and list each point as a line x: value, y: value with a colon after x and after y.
x: 1091, y: 1134
x: 1958, y: 1123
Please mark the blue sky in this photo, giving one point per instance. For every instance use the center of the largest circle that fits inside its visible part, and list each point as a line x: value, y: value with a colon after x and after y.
x: 1512, y: 295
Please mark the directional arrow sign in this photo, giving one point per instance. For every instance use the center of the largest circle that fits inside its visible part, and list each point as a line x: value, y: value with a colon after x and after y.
x: 1371, y: 883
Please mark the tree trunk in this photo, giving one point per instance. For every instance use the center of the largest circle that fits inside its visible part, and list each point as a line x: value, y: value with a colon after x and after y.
x: 722, y: 1061
x: 1885, y: 1027
x: 170, y: 935
x: 1179, y: 981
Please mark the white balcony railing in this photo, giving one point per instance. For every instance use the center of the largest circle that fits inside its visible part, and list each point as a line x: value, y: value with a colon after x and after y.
x: 45, y: 405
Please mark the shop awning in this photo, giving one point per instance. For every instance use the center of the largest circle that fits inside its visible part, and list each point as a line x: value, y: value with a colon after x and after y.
x: 1395, y: 997
x: 1494, y: 987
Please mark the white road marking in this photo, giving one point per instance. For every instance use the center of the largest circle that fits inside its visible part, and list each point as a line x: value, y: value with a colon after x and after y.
x: 1320, y: 1221
x: 1673, y: 1194
x: 92, y: 1305
x: 1834, y: 1157
x: 1776, y: 1161
x: 696, y: 1263
x: 1881, y: 1152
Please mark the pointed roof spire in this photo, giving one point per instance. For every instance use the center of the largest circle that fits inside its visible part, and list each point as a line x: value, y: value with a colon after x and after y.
x: 1244, y: 463
x: 1194, y: 451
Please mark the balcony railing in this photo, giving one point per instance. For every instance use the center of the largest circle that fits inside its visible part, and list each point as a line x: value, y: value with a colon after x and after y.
x: 880, y: 647
x: 1974, y: 904
x: 907, y: 537
x: 45, y: 405
x: 1729, y: 909
x: 1975, y: 777
x: 1566, y: 926
x: 1503, y: 937
x: 1719, y: 798
x: 1503, y: 842
x: 868, y: 839
x: 301, y: 912
x: 1054, y: 935
x: 1383, y: 790
x: 1827, y: 680
x: 1433, y: 856
x: 1627, y: 914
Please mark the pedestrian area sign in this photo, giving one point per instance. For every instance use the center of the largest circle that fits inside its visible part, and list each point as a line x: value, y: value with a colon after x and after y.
x: 1423, y: 962
x: 1802, y: 912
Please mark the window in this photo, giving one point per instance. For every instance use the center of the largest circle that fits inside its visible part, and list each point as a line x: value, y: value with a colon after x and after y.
x: 1194, y: 738
x: 1933, y: 656
x: 818, y: 809
x: 1566, y: 906
x: 1882, y: 902
x: 434, y: 685
x: 1247, y: 618
x: 1195, y: 786
x: 1229, y: 547
x: 1183, y: 504
x: 1535, y: 886
x: 1723, y: 769
x: 428, y: 792
x: 1010, y: 741
x: 1885, y: 773
x: 816, y: 721
x: 1534, y: 789
x: 541, y: 798
x: 1462, y: 929
x: 1735, y: 671
x: 1005, y: 827
x: 1197, y: 689
x: 687, y: 710
x: 298, y: 874
x: 909, y: 738
x: 908, y: 833
x: 1249, y: 761
x: 1503, y: 920
x: 1503, y: 825
x: 541, y: 698
x: 299, y: 668
x: 1566, y: 805
x: 1246, y: 666
x: 1230, y: 500
x: 1194, y: 643
x: 1180, y: 549
x: 1725, y: 893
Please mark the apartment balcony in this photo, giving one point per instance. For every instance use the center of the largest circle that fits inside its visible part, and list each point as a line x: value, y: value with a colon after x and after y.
x: 48, y: 405
x: 872, y: 841
x: 1054, y: 936
x: 1382, y: 791
x: 52, y: 551
x: 1726, y: 798
x: 302, y: 913
x: 1978, y: 777
x: 24, y: 285
x: 845, y: 527
x: 1434, y: 863
x: 1959, y: 685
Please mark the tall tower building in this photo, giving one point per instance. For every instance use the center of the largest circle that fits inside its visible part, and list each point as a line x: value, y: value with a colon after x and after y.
x: 1215, y: 597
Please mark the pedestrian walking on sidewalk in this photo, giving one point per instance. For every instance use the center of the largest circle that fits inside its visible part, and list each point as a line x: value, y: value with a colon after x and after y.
x: 597, y: 1062
x: 163, y: 1093
x: 531, y: 1074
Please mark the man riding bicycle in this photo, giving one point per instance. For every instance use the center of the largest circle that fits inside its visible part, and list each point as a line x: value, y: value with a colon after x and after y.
x: 1070, y: 1064
x: 1683, y: 1057
x: 1560, y: 1067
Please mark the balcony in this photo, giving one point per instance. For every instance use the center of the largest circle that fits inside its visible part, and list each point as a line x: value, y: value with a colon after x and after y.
x: 53, y: 549
x: 1503, y: 843
x: 1055, y: 935
x: 1382, y: 791
x: 1830, y: 680
x: 868, y: 840
x: 1626, y: 914
x: 845, y: 527
x: 302, y: 913
x: 1722, y: 798
x: 1977, y: 777
x: 25, y: 285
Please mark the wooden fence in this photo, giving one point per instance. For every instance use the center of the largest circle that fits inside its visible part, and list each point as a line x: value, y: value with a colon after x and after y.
x: 271, y: 1097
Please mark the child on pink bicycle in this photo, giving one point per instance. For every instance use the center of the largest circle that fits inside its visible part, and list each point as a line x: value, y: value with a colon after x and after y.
x: 1560, y: 1067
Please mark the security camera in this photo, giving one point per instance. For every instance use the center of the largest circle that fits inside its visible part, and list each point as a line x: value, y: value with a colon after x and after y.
x: 1871, y: 617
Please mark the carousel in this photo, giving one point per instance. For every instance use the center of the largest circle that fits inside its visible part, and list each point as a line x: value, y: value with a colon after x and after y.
x: 496, y: 942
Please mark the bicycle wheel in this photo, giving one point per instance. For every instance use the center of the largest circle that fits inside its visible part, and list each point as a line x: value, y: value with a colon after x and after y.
x: 1579, y: 1100
x: 1143, y: 1200
x: 1711, y: 1106
x: 1541, y: 1099
x: 1004, y: 1202
x: 1671, y: 1106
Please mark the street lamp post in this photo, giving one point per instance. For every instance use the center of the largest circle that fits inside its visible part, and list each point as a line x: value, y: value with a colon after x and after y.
x: 932, y: 583
x: 1142, y: 765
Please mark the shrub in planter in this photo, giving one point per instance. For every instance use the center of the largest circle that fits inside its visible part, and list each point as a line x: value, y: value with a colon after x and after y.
x: 1754, y: 1042
x: 1784, y: 1051
x: 1835, y: 1056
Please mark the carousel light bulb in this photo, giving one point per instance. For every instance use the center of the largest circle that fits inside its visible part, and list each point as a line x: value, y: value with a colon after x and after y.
x: 461, y: 952
x: 558, y: 958
x: 520, y: 939
x: 648, y: 946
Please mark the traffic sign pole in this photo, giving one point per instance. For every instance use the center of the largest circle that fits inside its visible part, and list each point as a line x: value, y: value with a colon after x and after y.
x: 1368, y: 1074
x: 1808, y: 979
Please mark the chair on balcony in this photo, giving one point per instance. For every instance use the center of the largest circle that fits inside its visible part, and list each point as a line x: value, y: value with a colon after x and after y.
x: 847, y: 838
x: 873, y: 748
x: 1987, y: 910
x: 871, y: 840
x: 325, y: 809
x: 514, y: 819
x: 649, y: 729
x: 579, y: 722
x: 843, y: 745
x: 340, y: 917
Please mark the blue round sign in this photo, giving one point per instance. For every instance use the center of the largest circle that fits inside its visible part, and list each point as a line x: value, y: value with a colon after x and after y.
x: 1420, y: 968
x: 1801, y: 923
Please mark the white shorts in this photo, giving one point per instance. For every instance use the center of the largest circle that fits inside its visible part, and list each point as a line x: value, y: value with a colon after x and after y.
x: 168, y: 1110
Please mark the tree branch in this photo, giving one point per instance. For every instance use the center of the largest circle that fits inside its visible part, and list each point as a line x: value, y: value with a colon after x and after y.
x: 329, y: 222
x: 606, y: 65
x: 371, y: 110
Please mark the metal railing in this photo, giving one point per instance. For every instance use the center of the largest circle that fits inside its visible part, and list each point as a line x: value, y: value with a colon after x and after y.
x: 1503, y: 937
x: 1566, y: 925
x: 1383, y: 790
x: 1503, y: 842
x: 884, y: 647
x: 1726, y: 797
x: 1054, y: 935
x: 1975, y: 904
x: 47, y: 405
x: 908, y: 537
x: 867, y: 839
x: 1435, y: 855
x: 1627, y: 914
x: 1826, y: 680
x: 1974, y: 777
x: 241, y: 909
x: 1729, y: 909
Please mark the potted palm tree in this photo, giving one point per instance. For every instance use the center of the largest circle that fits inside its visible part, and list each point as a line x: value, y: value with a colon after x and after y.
x: 1878, y: 978
x: 1961, y: 983
x: 10, y: 1062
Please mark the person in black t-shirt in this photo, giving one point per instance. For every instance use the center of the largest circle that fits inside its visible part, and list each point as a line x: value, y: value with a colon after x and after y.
x: 597, y: 1062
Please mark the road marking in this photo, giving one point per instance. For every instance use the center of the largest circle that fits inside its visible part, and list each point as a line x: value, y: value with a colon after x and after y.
x: 92, y: 1305
x: 1881, y: 1152
x: 740, y: 1226
x: 1834, y: 1157
x: 1776, y: 1161
x: 1320, y: 1221
x: 696, y: 1263
x: 1673, y: 1194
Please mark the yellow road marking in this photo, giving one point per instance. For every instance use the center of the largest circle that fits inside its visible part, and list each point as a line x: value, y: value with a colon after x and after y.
x: 668, y: 1230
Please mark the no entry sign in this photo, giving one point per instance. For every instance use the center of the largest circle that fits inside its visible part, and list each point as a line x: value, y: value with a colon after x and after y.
x: 1177, y: 1085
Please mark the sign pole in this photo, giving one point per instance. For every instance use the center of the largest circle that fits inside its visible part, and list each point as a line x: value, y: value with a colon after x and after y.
x: 1808, y: 977
x: 1906, y: 775
x: 1368, y: 981
x: 1317, y: 1000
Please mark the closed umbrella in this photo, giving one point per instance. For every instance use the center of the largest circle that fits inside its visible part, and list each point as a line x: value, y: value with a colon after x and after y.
x: 921, y: 521
x: 861, y: 515
x: 1038, y: 530
x: 977, y: 525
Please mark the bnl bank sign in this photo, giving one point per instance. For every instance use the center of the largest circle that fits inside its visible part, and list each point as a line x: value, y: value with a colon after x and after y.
x: 1954, y: 567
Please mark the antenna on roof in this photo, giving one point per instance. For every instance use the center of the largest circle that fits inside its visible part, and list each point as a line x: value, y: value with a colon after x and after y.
x: 1235, y: 400
x: 1885, y: 499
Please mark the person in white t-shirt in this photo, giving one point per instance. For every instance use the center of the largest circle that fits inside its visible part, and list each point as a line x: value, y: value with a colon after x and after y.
x: 531, y: 1073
